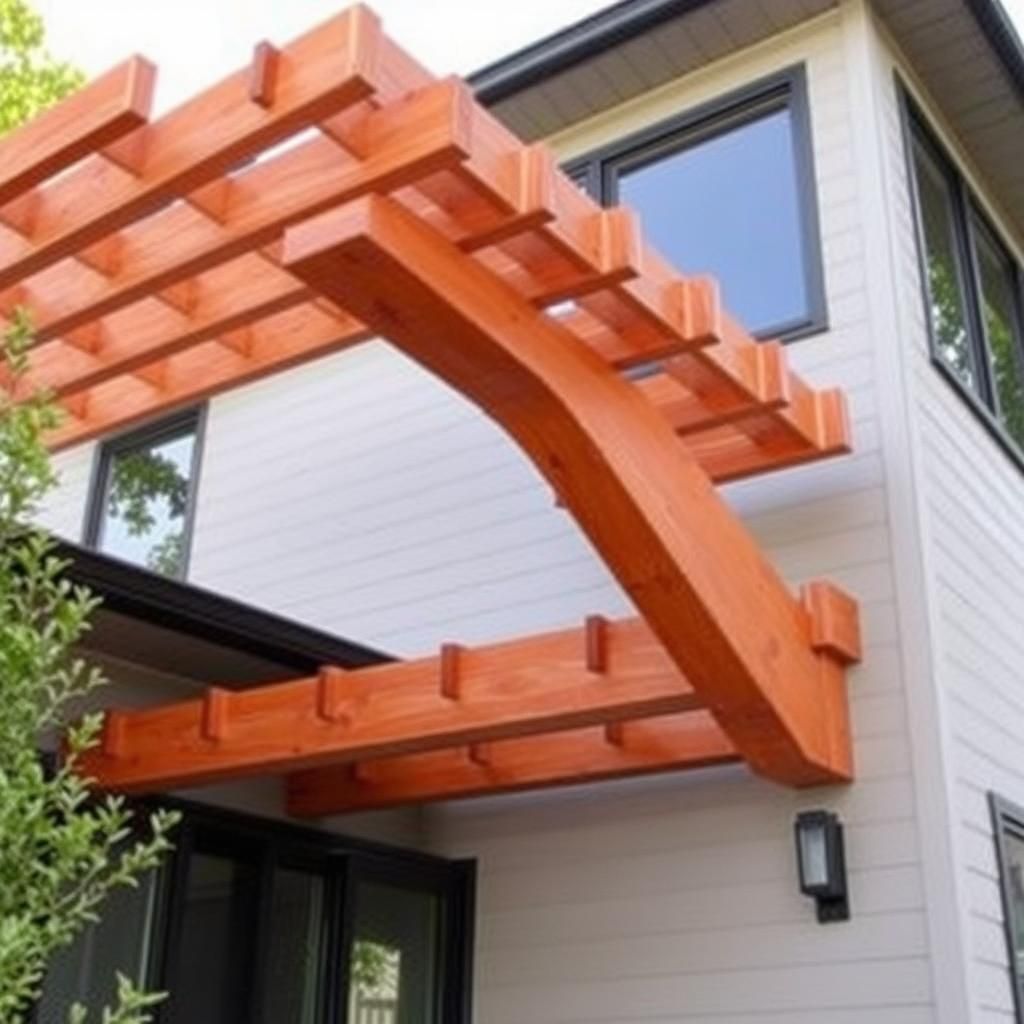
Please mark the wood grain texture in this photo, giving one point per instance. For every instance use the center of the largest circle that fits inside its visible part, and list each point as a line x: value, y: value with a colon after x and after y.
x: 320, y: 73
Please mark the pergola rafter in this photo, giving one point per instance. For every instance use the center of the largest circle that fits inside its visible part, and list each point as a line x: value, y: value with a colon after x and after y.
x: 169, y: 261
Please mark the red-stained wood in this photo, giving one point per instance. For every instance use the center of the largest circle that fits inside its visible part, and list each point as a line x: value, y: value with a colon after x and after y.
x: 645, y: 746
x: 690, y: 567
x: 266, y: 65
x: 320, y: 74
x: 330, y: 693
x: 517, y: 688
x: 835, y: 622
x: 216, y: 714
x: 411, y: 137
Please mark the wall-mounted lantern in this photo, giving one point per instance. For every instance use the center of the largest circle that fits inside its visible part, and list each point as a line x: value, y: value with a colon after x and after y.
x: 822, y: 862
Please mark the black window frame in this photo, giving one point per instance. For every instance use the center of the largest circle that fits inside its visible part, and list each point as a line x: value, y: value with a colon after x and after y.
x: 1008, y: 817
x: 191, y: 420
x: 596, y: 171
x: 342, y: 861
x: 967, y: 209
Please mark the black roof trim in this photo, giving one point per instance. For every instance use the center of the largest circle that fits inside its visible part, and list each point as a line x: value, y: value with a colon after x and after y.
x: 628, y: 18
x: 149, y: 597
x: 573, y: 45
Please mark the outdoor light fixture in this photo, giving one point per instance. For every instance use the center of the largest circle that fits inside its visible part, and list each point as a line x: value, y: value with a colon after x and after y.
x: 822, y: 863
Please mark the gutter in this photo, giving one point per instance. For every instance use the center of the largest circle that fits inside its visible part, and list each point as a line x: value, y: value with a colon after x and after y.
x: 573, y: 45
x: 193, y: 611
x: 622, y: 21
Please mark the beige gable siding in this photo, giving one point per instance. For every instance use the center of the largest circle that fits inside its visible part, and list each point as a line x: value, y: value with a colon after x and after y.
x: 973, y: 524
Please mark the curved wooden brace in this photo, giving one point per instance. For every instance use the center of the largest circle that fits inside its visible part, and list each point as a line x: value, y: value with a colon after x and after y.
x: 688, y: 564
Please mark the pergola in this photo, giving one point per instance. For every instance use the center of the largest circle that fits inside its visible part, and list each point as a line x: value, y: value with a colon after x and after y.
x: 331, y: 192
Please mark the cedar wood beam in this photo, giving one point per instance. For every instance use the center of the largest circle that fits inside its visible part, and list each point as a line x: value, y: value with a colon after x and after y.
x: 689, y: 566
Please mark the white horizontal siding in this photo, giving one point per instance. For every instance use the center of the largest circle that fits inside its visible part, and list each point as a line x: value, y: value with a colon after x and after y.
x: 973, y: 497
x: 63, y: 512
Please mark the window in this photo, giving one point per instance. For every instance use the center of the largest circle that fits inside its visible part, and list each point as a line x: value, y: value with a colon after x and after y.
x: 1008, y: 825
x: 728, y: 190
x: 972, y: 289
x: 143, y: 495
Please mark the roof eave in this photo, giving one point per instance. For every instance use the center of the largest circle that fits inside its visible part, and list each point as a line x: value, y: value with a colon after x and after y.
x: 622, y: 21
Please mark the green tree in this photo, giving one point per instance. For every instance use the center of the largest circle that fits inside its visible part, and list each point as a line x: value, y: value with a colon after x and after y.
x: 62, y: 850
x: 30, y: 79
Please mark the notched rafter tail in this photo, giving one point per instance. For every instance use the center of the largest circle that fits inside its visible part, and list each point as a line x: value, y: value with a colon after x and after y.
x: 595, y: 632
x: 113, y: 736
x: 216, y: 718
x: 449, y: 663
x: 330, y: 694
x: 263, y: 72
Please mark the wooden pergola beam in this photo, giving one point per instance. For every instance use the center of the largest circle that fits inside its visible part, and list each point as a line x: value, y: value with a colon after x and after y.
x: 597, y: 753
x: 322, y: 72
x: 104, y: 111
x: 421, y: 133
x: 460, y: 696
x: 649, y: 509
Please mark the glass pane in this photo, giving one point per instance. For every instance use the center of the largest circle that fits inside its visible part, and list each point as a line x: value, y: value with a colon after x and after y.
x: 212, y: 983
x: 292, y: 982
x: 394, y: 960
x: 945, y: 281
x: 1015, y: 869
x: 998, y: 288
x: 147, y: 495
x: 85, y: 972
x: 729, y: 206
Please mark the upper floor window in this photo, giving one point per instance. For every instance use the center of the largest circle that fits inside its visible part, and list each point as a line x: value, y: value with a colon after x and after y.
x: 728, y: 190
x: 144, y: 494
x: 1008, y: 823
x: 972, y: 287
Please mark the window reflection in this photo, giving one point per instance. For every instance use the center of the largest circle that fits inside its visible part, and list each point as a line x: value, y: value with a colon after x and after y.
x: 729, y: 205
x: 942, y: 263
x: 1015, y: 871
x: 393, y: 965
x: 147, y: 490
x: 999, y: 312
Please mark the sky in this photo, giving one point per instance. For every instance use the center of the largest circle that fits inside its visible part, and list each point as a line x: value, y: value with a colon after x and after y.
x: 196, y: 42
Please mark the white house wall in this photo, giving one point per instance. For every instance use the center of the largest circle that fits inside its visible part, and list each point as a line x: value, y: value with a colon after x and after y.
x: 972, y: 496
